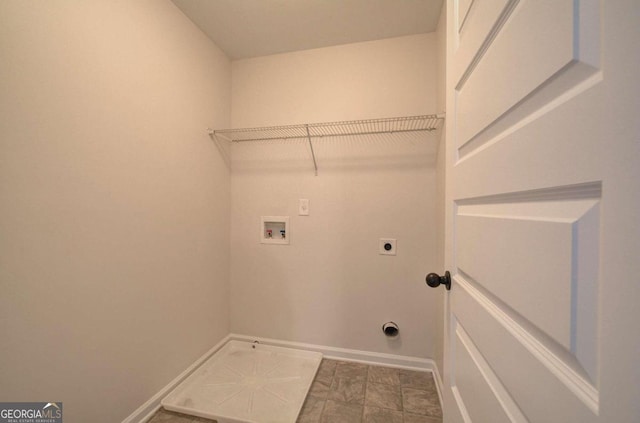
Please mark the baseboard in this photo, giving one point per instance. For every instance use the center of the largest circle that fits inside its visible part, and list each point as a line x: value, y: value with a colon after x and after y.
x: 148, y: 409
x: 439, y: 384
x: 358, y: 356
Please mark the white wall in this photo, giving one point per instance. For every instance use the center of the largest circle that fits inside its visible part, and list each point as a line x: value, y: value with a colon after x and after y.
x: 392, y: 77
x: 114, y: 204
x: 330, y: 286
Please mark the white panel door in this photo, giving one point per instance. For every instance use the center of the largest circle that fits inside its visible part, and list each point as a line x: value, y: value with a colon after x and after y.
x: 543, y: 211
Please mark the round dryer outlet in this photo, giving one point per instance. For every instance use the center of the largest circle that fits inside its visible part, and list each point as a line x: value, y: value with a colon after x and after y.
x: 387, y: 246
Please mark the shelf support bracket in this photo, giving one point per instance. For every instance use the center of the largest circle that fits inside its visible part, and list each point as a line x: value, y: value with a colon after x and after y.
x: 313, y: 155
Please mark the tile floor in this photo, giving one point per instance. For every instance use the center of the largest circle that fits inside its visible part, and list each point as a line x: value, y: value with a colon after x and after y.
x: 345, y: 392
x: 166, y: 416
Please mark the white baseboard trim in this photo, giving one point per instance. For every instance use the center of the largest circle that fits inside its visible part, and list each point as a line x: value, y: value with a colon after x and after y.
x: 439, y: 384
x: 148, y: 409
x: 358, y: 356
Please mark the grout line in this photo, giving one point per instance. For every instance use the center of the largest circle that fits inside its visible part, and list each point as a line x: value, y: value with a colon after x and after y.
x: 324, y: 404
x: 366, y: 386
x: 401, y: 396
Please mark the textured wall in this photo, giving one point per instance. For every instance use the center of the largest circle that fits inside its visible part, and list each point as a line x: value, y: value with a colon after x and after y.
x: 330, y: 286
x: 114, y: 204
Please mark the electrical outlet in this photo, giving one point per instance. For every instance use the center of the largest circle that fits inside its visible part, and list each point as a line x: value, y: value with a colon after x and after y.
x: 387, y: 247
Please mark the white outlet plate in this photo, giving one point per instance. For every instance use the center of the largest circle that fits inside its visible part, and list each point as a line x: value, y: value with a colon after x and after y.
x: 387, y: 247
x: 303, y: 207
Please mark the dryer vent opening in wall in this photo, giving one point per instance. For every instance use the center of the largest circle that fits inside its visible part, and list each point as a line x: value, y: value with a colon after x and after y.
x: 390, y: 329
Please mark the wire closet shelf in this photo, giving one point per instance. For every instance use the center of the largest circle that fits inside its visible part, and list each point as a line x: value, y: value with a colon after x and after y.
x: 330, y: 129
x: 427, y: 123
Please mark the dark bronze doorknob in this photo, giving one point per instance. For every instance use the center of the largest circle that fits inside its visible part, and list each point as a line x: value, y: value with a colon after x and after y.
x: 434, y: 280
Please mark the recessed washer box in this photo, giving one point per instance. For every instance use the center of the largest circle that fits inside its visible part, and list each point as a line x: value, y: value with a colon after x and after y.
x: 274, y: 230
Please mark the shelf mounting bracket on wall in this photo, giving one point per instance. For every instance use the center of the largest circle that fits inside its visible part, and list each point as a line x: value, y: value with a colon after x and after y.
x: 313, y: 155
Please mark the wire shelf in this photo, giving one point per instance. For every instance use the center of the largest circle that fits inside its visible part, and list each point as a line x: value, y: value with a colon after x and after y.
x: 310, y: 131
x: 332, y: 129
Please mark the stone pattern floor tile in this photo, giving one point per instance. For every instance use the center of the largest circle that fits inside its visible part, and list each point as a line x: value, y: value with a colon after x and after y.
x: 413, y: 418
x: 384, y: 375
x: 355, y: 371
x: 320, y: 388
x: 381, y: 415
x: 340, y: 412
x: 425, y: 403
x: 417, y: 380
x: 346, y: 392
x: 383, y: 396
x: 326, y: 371
x: 370, y: 394
x: 311, y: 410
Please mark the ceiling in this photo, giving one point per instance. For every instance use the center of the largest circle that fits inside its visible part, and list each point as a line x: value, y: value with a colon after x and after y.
x: 251, y: 28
